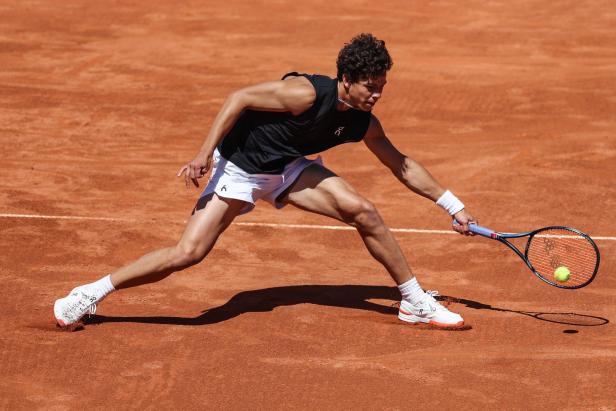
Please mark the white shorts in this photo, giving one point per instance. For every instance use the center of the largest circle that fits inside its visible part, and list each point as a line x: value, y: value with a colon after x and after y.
x: 230, y: 181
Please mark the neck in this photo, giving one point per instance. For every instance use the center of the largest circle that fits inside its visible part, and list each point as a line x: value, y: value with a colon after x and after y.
x: 343, y: 97
x: 345, y: 103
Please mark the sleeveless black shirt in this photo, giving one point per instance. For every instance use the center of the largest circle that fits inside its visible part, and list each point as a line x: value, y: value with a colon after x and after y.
x: 263, y: 142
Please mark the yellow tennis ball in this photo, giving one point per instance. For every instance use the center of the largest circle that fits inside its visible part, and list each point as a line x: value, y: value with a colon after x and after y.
x: 562, y: 274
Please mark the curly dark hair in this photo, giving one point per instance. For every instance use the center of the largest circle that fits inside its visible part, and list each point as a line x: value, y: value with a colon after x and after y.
x: 363, y: 58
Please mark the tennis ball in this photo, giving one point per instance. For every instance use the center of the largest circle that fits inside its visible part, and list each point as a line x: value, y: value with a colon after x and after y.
x: 562, y: 274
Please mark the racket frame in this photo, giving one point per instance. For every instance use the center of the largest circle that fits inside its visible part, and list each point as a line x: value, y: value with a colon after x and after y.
x: 502, y: 237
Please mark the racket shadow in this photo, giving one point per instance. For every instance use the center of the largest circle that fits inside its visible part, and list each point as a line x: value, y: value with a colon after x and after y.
x: 263, y: 300
x: 581, y: 320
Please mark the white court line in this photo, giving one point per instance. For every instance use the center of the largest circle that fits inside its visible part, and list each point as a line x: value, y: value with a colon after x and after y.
x: 343, y: 227
x: 248, y: 224
x: 63, y: 217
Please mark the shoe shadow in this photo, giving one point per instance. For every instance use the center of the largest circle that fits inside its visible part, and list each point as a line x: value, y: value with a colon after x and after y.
x: 572, y: 318
x: 347, y: 296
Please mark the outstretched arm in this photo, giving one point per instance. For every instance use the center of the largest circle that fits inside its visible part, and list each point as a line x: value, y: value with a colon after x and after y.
x: 409, y: 172
x: 294, y: 95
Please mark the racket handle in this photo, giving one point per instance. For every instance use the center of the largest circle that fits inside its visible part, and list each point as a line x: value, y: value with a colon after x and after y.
x: 477, y: 229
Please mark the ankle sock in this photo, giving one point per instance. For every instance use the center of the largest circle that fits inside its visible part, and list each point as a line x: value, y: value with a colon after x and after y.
x: 102, y: 287
x: 411, y: 291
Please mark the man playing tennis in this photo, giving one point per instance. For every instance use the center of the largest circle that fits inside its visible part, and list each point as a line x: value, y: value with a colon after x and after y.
x: 256, y: 147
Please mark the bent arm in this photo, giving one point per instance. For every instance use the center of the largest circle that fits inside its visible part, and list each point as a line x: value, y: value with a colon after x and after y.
x: 408, y: 171
x: 294, y: 95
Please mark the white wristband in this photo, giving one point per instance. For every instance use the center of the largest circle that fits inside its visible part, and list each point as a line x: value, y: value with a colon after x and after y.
x: 450, y: 203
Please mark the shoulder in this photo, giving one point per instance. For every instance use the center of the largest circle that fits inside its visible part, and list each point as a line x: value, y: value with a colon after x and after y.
x: 313, y: 82
x: 299, y: 83
x: 310, y: 89
x: 319, y: 83
x: 299, y: 92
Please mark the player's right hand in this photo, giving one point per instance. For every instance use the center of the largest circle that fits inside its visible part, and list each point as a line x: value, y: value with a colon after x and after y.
x: 461, y: 221
x: 196, y: 169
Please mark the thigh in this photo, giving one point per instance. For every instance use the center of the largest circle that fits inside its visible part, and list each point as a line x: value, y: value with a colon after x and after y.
x: 211, y: 216
x: 319, y: 190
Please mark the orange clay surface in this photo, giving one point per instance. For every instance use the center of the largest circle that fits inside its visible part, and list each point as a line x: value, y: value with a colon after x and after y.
x: 510, y: 104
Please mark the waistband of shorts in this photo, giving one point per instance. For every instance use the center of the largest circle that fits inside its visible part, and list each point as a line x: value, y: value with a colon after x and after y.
x: 260, y: 176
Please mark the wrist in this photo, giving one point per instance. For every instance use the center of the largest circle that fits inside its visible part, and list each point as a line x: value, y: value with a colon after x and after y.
x: 206, y: 152
x: 450, y: 203
x: 209, y: 145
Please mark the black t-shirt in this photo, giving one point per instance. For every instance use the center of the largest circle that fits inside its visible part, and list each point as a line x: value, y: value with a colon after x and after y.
x: 263, y: 142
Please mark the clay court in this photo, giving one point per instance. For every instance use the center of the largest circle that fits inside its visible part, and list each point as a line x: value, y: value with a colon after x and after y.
x: 512, y: 106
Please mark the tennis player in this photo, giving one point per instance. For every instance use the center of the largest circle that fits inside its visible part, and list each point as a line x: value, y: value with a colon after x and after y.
x: 256, y: 150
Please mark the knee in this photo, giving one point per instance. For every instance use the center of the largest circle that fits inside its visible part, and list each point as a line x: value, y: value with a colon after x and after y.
x: 184, y: 255
x: 364, y: 216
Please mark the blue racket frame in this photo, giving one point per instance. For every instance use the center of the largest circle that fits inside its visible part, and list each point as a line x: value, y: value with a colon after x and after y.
x: 502, y: 237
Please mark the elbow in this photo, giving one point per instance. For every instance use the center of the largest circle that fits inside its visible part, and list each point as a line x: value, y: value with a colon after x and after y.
x: 238, y: 99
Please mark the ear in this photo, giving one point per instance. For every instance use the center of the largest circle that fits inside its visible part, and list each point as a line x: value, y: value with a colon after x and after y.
x: 346, y: 83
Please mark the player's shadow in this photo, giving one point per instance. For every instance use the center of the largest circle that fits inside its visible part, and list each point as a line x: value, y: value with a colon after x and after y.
x: 348, y: 296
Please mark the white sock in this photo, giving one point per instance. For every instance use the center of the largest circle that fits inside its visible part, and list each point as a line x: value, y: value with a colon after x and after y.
x: 411, y: 291
x: 102, y: 287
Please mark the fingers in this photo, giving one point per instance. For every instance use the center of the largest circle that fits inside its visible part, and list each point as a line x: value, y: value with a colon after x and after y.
x: 462, y: 228
x: 470, y: 221
x: 462, y: 222
x: 184, y: 170
x: 193, y: 171
x: 187, y: 171
x: 459, y: 228
x: 192, y: 176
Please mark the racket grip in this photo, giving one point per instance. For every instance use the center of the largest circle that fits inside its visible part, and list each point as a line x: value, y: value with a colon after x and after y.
x: 477, y: 229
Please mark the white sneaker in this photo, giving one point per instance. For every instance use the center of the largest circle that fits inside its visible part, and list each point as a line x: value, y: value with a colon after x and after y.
x: 70, y: 309
x: 429, y: 311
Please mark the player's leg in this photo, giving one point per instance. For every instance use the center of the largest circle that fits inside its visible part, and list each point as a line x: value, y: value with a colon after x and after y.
x: 210, y: 219
x: 212, y: 216
x: 318, y: 190
x: 321, y: 191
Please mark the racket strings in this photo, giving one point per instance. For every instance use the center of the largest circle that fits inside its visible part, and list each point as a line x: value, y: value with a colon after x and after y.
x: 556, y: 247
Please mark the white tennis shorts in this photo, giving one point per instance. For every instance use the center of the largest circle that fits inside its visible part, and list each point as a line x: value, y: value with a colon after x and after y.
x: 230, y: 181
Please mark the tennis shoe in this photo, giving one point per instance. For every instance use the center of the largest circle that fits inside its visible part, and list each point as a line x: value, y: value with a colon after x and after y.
x: 429, y: 311
x: 70, y: 309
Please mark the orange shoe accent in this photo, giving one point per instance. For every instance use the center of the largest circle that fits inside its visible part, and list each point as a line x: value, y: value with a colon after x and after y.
x: 436, y: 323
x: 404, y: 312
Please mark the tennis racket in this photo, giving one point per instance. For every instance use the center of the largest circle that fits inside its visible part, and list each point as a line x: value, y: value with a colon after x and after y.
x: 550, y: 248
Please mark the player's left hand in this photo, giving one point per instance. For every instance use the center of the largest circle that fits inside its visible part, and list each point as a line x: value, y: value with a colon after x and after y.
x: 464, y: 218
x: 196, y: 169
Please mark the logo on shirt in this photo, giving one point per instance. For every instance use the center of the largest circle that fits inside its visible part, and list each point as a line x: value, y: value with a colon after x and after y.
x: 223, y: 188
x: 338, y: 131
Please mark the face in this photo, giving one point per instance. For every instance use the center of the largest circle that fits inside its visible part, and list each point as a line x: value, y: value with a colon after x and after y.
x: 364, y: 94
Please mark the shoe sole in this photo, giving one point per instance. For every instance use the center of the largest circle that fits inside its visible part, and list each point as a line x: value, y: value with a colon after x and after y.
x: 415, y: 320
x: 70, y: 327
